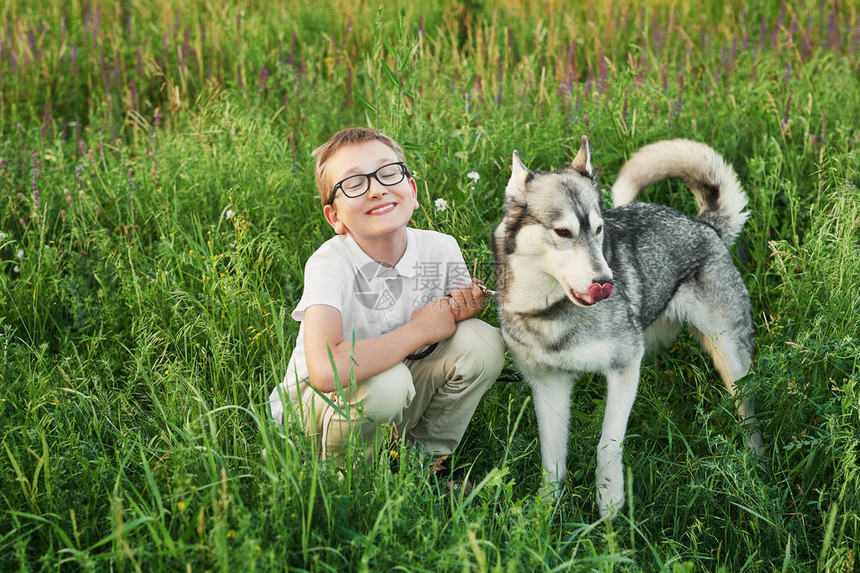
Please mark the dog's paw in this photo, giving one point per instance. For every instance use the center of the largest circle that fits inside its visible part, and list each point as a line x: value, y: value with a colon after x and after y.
x: 610, y: 499
x: 754, y: 442
x: 550, y: 491
x: 610, y: 508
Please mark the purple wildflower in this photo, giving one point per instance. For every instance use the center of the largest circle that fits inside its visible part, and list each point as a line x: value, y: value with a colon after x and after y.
x: 603, y: 72
x: 833, y: 33
x: 47, y: 118
x: 856, y: 38
x: 679, y: 103
x: 823, y: 123
x: 187, y: 50
x: 780, y: 20
x: 292, y: 57
x: 348, y: 86
x: 238, y: 28
x: 36, y: 167
x: 346, y: 33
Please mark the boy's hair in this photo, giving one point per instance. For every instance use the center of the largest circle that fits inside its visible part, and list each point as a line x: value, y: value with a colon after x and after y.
x: 342, y: 138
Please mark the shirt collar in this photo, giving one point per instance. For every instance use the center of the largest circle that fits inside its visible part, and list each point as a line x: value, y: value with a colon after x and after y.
x: 406, y: 266
x: 408, y: 263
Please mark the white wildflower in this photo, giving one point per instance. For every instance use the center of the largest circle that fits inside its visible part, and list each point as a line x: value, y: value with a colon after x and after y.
x: 441, y: 204
x: 473, y: 175
x: 16, y: 268
x: 20, y: 253
x: 228, y: 214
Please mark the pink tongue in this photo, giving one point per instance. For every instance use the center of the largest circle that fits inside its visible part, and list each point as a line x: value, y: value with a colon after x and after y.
x: 599, y: 292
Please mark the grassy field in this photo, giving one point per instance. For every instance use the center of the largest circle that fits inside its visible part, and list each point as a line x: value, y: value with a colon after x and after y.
x: 157, y: 206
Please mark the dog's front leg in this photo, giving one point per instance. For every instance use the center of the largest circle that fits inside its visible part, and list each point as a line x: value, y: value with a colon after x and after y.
x: 621, y: 393
x: 551, y: 395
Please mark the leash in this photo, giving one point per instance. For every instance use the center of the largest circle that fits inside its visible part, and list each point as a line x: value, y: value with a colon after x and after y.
x: 486, y: 291
x: 429, y: 350
x: 424, y: 353
x: 507, y: 374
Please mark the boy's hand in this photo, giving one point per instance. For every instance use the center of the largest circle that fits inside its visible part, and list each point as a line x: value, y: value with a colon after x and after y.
x: 436, y: 320
x: 466, y: 300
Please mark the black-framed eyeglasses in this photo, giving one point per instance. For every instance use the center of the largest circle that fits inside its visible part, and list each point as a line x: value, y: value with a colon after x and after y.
x: 357, y: 185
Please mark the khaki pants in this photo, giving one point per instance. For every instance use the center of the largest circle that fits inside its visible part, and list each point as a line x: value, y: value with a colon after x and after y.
x: 430, y: 400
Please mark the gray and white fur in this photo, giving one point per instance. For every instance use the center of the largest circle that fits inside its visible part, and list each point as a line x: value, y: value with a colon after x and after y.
x: 583, y: 289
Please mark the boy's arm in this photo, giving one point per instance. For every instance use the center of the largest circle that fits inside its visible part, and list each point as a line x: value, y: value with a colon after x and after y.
x: 324, y: 330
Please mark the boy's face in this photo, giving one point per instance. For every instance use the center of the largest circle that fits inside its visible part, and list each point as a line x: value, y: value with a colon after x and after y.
x: 382, y: 210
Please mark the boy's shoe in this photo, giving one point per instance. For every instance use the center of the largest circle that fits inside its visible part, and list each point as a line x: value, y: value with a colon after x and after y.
x: 451, y: 479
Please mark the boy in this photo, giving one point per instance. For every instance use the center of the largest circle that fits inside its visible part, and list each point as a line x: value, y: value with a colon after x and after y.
x: 392, y: 303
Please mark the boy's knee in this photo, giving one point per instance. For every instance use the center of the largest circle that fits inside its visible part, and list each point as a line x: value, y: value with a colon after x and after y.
x: 482, y: 347
x: 387, y: 394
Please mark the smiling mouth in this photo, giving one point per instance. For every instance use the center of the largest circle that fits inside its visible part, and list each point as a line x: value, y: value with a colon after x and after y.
x: 383, y: 209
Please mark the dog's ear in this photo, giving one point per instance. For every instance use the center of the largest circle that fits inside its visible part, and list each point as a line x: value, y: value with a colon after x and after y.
x: 520, y: 176
x: 582, y: 161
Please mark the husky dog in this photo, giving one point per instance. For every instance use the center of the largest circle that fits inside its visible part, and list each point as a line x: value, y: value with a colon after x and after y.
x: 583, y: 289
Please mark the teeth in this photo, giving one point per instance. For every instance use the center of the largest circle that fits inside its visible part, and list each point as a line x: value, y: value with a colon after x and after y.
x: 380, y: 209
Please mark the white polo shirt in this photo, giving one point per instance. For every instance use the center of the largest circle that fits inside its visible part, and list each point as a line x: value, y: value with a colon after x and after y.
x: 372, y: 299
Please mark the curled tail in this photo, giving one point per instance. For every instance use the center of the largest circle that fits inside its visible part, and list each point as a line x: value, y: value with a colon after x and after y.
x: 718, y: 192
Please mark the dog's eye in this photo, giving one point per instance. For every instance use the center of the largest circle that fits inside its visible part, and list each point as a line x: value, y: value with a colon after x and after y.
x: 598, y: 230
x: 564, y: 233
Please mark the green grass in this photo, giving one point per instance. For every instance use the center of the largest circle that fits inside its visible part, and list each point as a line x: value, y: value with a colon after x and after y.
x: 152, y: 242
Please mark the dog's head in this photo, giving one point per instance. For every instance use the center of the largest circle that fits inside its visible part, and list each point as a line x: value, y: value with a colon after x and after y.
x: 553, y: 229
